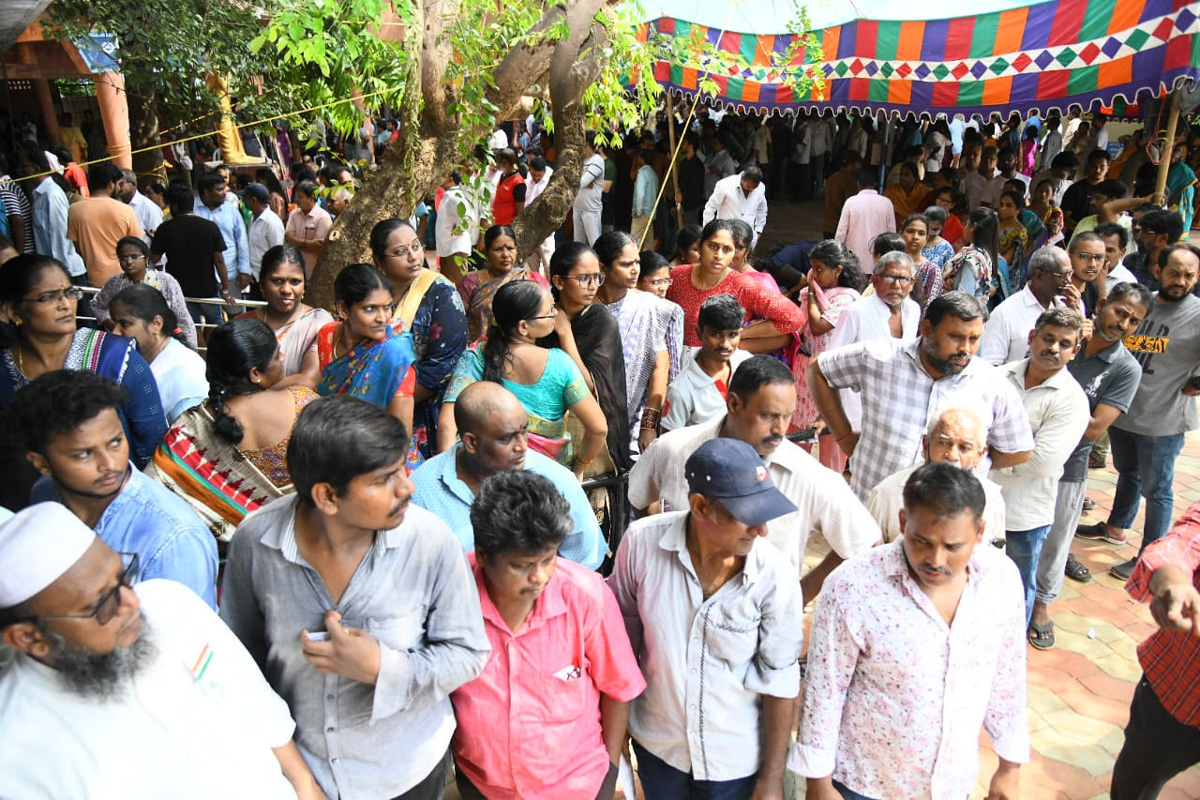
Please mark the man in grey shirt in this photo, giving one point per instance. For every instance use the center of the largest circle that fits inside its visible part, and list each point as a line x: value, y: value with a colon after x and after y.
x: 359, y: 608
x: 1148, y: 437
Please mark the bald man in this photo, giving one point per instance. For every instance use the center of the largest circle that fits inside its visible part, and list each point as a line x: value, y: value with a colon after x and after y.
x: 956, y: 435
x: 120, y: 688
x: 493, y: 437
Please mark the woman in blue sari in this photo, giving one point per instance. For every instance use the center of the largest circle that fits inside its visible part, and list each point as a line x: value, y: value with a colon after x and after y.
x: 368, y: 355
x: 1181, y: 191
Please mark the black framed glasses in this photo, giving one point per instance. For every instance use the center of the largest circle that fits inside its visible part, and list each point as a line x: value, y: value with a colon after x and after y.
x: 106, y: 607
x: 595, y: 279
x: 553, y: 313
x: 896, y: 280
x: 48, y: 298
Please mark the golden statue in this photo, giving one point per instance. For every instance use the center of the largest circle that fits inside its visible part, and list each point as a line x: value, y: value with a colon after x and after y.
x: 228, y: 139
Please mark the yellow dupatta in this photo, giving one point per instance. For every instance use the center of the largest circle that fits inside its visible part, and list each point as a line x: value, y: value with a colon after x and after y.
x: 407, y: 309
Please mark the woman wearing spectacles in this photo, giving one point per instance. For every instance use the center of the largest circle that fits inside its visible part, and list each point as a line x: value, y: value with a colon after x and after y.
x: 546, y: 380
x: 587, y: 332
x: 432, y: 311
x: 39, y: 300
x: 134, y: 257
x: 368, y: 354
x: 228, y: 456
x: 479, y: 288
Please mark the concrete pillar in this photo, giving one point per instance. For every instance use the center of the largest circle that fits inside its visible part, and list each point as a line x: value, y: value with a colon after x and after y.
x: 46, y: 102
x: 114, y: 111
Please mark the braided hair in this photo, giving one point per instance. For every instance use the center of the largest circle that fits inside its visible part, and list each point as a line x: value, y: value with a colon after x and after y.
x: 234, y: 349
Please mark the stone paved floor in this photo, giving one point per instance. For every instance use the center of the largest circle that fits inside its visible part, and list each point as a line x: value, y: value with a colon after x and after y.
x: 1079, y: 691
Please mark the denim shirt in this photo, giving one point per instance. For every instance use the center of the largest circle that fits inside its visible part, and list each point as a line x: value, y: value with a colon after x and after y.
x: 147, y: 519
x: 228, y: 217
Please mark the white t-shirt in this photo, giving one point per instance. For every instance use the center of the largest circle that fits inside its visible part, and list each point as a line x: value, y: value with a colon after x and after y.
x: 694, y: 396
x: 200, y: 721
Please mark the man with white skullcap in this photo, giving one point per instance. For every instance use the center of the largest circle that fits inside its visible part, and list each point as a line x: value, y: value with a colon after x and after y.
x: 122, y: 691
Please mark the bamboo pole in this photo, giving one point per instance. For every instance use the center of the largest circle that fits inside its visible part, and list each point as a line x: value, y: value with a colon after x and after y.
x: 1164, y: 166
x: 675, y: 160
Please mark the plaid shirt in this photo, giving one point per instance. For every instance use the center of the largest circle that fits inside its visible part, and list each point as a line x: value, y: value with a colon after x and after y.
x: 1170, y: 659
x: 900, y: 399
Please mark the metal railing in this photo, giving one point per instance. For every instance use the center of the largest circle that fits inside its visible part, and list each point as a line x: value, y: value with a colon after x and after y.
x: 242, y: 304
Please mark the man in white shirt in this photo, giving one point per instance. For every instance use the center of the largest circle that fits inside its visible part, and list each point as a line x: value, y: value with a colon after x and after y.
x: 915, y: 646
x: 718, y: 164
x: 457, y: 227
x: 149, y: 215
x: 152, y: 667
x: 865, y: 216
x: 50, y: 209
x: 955, y: 436
x: 266, y: 228
x: 590, y: 201
x: 1058, y: 414
x: 739, y: 197
x: 759, y: 397
x: 1116, y: 243
x: 540, y: 174
x: 715, y: 617
x: 1006, y: 333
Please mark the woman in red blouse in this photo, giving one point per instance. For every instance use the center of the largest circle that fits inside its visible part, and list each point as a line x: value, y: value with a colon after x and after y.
x: 692, y: 284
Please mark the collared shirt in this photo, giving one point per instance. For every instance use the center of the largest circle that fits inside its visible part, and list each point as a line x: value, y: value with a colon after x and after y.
x: 695, y: 397
x: 894, y: 697
x: 413, y: 593
x: 228, y: 217
x: 869, y: 317
x: 1171, y: 660
x: 1006, y: 333
x: 440, y: 491
x: 887, y: 499
x: 865, y: 216
x: 16, y: 204
x: 50, y: 207
x: 529, y: 726
x: 148, y: 214
x: 1111, y: 378
x: 266, y: 231
x: 728, y: 201
x: 457, y: 226
x: 1119, y: 274
x: 707, y: 661
x: 900, y: 399
x: 1058, y: 414
x: 824, y: 503
x: 645, y: 188
x: 200, y: 701
x: 149, y: 519
x: 313, y: 226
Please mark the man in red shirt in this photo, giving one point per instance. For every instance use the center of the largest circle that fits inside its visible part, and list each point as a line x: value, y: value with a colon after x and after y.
x: 546, y: 719
x: 510, y: 193
x: 1163, y: 736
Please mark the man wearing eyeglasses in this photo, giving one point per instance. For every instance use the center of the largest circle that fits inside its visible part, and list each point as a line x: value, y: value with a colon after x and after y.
x: 72, y: 434
x: 1088, y: 257
x: 117, y: 691
x: 1006, y: 334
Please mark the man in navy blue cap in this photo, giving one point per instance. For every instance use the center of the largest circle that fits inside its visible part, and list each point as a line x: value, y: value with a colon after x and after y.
x: 715, y: 617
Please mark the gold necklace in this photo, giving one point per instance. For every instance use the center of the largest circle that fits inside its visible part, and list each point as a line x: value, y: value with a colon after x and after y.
x: 20, y: 360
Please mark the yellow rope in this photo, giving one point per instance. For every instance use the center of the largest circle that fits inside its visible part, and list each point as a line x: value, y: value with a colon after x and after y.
x: 674, y: 156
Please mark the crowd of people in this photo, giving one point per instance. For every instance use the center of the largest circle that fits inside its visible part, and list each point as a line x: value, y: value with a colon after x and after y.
x: 516, y: 516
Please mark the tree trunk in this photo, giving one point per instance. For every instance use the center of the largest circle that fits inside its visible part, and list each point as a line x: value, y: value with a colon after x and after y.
x: 143, y: 130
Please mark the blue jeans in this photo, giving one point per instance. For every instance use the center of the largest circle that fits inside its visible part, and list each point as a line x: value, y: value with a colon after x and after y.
x: 1146, y: 468
x: 1024, y: 548
x: 849, y: 794
x: 661, y: 781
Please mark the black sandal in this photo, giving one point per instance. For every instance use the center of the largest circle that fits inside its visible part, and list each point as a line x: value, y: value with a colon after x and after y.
x: 1041, y: 636
x: 1076, y: 571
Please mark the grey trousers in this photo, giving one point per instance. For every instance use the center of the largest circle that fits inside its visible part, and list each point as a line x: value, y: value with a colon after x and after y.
x: 1057, y: 546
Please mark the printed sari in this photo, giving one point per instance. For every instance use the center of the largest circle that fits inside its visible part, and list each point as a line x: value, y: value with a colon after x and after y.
x: 479, y: 288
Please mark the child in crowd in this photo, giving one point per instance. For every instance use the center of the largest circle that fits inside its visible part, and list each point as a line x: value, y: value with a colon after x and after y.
x: 697, y: 395
x: 655, y: 273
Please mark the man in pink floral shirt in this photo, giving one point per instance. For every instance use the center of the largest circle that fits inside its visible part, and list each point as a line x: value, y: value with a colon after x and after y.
x: 916, y: 644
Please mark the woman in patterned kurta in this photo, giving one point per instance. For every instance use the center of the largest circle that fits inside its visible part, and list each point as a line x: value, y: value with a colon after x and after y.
x: 134, y: 257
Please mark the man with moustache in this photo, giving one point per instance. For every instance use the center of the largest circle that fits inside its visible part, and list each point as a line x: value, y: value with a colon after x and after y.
x: 359, y: 608
x: 915, y: 646
x: 904, y: 383
x: 494, y: 437
x: 888, y: 312
x: 1058, y: 414
x: 1109, y: 377
x: 715, y: 617
x: 1088, y: 257
x: 70, y: 426
x: 1148, y: 437
x: 117, y: 688
x: 1006, y: 334
x: 757, y: 413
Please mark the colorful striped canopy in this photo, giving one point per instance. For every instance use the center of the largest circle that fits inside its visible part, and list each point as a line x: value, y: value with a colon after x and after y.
x: 1045, y: 56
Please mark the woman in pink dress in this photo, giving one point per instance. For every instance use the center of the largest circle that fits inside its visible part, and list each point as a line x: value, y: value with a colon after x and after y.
x: 834, y: 282
x: 692, y: 284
